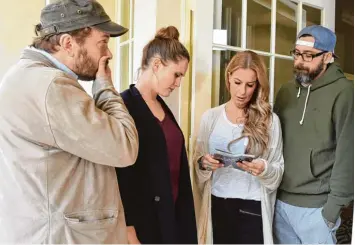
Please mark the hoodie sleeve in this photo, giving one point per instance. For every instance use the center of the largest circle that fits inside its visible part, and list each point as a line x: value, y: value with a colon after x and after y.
x: 277, y: 102
x: 274, y: 162
x: 99, y: 130
x: 342, y: 177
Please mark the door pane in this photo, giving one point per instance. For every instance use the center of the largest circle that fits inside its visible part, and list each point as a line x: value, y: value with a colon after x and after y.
x: 221, y: 59
x: 286, y: 26
x: 259, y: 25
x: 228, y: 16
x: 283, y: 73
x: 124, y: 67
x: 311, y: 16
x: 131, y: 29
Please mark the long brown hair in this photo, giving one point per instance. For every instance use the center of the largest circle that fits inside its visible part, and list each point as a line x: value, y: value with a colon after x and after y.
x: 166, y: 45
x: 258, y: 111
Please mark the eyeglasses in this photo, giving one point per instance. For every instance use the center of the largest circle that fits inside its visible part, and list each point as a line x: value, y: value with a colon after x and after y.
x: 305, y: 56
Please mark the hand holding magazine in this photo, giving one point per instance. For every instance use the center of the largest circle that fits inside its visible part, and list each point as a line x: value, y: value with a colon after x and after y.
x: 230, y: 160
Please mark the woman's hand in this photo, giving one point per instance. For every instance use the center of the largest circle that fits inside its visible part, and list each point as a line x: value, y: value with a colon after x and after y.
x: 255, y: 167
x: 210, y: 163
x: 132, y: 235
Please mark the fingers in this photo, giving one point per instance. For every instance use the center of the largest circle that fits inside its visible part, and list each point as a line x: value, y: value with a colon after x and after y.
x: 210, y: 159
x: 132, y: 235
x: 104, y: 69
x: 209, y: 163
x: 103, y: 62
x: 104, y: 59
x: 254, y: 168
x: 243, y: 166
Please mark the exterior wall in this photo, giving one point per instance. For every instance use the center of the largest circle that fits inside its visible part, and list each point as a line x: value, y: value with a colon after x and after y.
x: 16, y: 33
x: 17, y: 21
x: 166, y: 17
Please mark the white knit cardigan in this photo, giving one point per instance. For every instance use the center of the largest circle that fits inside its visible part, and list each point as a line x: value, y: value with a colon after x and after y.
x: 270, y: 179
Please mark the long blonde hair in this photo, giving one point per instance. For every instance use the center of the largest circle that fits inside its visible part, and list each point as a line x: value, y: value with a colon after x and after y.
x: 258, y: 111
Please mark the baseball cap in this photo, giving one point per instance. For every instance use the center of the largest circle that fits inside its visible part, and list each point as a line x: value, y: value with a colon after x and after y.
x: 69, y: 15
x: 324, y: 39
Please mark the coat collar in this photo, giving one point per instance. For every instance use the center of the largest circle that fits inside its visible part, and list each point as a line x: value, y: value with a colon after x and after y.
x: 135, y: 92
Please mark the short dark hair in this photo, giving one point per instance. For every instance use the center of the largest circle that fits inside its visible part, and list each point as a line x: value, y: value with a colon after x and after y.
x: 50, y: 43
x: 306, y: 35
x: 166, y: 45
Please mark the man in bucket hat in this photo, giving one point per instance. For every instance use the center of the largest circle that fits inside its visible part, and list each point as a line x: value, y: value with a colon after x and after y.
x: 317, y: 118
x: 58, y: 146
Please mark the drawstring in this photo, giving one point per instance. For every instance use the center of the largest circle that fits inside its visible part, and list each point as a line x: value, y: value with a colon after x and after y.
x: 305, y: 103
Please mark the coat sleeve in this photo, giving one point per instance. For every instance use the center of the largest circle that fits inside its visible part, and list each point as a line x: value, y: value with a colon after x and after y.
x: 128, y: 190
x: 274, y: 162
x: 99, y: 130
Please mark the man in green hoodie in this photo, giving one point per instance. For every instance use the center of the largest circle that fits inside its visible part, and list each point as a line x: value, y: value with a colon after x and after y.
x: 317, y: 118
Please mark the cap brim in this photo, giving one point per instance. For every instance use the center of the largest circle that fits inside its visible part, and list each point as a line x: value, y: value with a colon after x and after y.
x: 111, y: 28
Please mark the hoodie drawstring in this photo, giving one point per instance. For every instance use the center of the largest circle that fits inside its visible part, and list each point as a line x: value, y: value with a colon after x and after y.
x: 299, y: 92
x: 305, y: 103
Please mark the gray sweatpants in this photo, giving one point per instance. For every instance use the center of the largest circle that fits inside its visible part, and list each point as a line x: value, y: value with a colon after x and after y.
x: 298, y: 225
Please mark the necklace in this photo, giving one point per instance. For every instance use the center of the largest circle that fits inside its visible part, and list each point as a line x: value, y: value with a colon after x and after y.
x: 239, y: 119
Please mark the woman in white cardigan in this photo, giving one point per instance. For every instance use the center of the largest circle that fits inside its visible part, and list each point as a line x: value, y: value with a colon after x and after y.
x: 235, y: 206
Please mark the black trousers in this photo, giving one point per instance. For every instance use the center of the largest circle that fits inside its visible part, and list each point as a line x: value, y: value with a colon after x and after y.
x: 236, y: 221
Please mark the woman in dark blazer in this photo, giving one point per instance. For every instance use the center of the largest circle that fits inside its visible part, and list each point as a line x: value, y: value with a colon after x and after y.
x: 156, y: 191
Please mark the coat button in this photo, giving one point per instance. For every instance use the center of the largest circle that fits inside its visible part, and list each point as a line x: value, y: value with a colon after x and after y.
x: 157, y: 198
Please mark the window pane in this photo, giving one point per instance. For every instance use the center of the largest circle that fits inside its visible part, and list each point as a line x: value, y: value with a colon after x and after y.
x: 344, y: 29
x: 283, y: 73
x: 259, y: 25
x: 124, y: 67
x: 286, y: 27
x: 311, y: 16
x: 133, y: 76
x: 123, y: 17
x: 228, y: 16
x: 221, y: 59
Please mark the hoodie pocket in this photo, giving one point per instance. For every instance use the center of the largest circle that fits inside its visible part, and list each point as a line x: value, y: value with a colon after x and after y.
x: 310, y: 166
x: 322, y: 162
x: 94, y: 226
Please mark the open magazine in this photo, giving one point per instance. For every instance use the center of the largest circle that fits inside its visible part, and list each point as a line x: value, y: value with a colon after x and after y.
x: 230, y: 160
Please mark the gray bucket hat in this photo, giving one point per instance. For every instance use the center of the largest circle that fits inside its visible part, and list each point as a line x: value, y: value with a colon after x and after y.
x: 69, y: 15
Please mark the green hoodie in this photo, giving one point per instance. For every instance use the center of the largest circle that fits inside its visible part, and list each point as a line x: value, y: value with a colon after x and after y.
x: 318, y: 135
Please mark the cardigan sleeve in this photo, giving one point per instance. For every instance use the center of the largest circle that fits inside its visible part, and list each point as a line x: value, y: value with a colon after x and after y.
x: 274, y: 161
x: 200, y: 149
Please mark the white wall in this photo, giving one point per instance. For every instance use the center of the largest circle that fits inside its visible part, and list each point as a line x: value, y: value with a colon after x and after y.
x: 151, y: 15
x: 17, y: 21
x: 166, y: 17
x: 144, y: 28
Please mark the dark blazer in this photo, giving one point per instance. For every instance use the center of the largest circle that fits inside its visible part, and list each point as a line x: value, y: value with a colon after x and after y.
x: 146, y: 188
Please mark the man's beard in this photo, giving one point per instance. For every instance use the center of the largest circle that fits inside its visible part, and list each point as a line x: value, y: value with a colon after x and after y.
x: 85, y: 67
x: 304, y: 75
